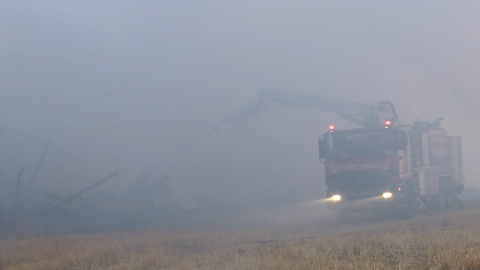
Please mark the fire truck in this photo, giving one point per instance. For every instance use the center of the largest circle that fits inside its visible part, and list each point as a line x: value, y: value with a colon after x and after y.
x: 392, y: 167
x: 382, y: 165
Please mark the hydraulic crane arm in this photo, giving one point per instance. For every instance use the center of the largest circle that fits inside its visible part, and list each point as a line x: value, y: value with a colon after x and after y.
x: 367, y: 115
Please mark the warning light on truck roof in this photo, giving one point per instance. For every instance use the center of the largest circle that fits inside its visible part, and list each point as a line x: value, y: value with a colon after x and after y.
x: 331, y: 128
x: 387, y: 123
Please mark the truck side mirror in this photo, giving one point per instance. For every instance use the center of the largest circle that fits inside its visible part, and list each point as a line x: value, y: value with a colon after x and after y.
x: 322, y: 151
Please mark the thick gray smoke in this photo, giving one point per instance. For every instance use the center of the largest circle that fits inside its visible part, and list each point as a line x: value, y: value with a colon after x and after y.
x: 122, y: 85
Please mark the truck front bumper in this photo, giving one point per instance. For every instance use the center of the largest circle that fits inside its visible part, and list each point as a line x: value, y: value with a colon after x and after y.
x: 371, y: 199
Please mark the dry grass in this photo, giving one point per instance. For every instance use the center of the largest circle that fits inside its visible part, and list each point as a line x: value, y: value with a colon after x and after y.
x: 443, y: 241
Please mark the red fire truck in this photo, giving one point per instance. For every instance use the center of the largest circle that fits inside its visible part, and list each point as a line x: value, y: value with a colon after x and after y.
x: 382, y: 165
x: 394, y: 168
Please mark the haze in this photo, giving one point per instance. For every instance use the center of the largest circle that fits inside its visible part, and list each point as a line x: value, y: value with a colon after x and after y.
x: 122, y: 85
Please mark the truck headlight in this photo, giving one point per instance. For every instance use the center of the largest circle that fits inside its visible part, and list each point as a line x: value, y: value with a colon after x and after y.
x: 336, y: 198
x: 387, y: 195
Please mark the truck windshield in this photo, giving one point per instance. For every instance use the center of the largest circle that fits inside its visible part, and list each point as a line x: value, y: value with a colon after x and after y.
x: 362, y: 144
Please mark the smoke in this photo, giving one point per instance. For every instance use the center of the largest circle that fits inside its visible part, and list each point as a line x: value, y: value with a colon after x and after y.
x: 124, y: 85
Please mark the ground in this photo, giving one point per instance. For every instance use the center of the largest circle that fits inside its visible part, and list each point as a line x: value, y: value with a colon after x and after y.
x: 449, y: 240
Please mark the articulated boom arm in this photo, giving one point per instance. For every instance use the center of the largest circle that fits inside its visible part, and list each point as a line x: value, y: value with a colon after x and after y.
x: 367, y: 115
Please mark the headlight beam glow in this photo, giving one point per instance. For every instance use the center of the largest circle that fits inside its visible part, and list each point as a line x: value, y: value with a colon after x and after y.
x: 387, y: 195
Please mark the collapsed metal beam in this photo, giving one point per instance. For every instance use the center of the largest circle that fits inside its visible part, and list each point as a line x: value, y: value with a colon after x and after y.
x: 85, y: 190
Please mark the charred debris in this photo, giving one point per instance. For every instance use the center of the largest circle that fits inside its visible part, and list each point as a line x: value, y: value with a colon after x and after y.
x: 145, y: 203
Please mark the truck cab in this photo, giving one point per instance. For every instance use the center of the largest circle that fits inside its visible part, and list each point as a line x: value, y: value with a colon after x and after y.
x: 365, y: 167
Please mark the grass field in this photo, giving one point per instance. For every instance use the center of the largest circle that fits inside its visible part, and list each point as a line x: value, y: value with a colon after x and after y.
x: 443, y: 241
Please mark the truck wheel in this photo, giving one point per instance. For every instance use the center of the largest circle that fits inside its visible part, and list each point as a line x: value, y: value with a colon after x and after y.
x: 344, y: 215
x: 410, y: 201
x: 448, y: 195
x: 443, y: 198
x: 441, y: 205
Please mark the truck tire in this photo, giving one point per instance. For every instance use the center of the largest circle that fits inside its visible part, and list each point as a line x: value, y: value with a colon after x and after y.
x: 410, y: 201
x: 441, y: 205
x: 444, y: 197
x: 448, y: 194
